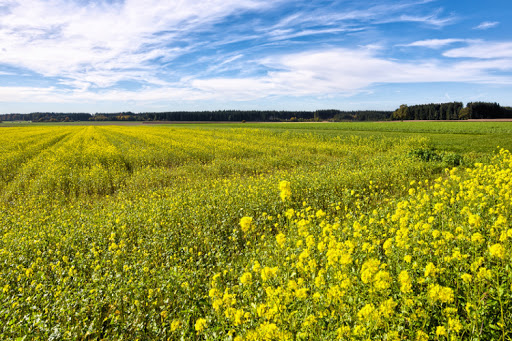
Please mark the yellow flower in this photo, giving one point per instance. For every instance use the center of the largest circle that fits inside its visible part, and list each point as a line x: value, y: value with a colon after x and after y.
x: 387, y: 308
x: 441, y: 331
x: 268, y: 273
x: 370, y: 267
x: 301, y: 293
x: 484, y: 273
x: 320, y: 214
x: 321, y: 246
x: 405, y: 282
x: 261, y: 309
x: 345, y: 259
x: 246, y: 224
x: 319, y: 281
x: 497, y: 251
x: 387, y: 246
x: 239, y: 315
x: 450, y: 311
x: 309, y: 321
x: 359, y: 330
x: 343, y: 332
x: 437, y: 292
x: 476, y: 264
x: 474, y: 220
x: 366, y: 311
x: 382, y: 280
x: 175, y: 325
x: 268, y: 331
x: 454, y: 325
x: 477, y: 238
x: 421, y: 336
x: 200, y: 325
x: 292, y: 285
x: 228, y: 299
x: 310, y: 241
x: 393, y: 336
x: 286, y: 191
x: 430, y: 269
x: 246, y: 278
x: 217, y: 304
x: 466, y: 278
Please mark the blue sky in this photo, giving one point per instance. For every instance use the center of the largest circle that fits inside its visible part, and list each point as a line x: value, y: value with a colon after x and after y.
x: 133, y: 55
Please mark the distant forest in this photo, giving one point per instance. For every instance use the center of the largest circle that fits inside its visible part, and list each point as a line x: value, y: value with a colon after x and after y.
x: 452, y: 111
x: 213, y: 116
x: 433, y: 111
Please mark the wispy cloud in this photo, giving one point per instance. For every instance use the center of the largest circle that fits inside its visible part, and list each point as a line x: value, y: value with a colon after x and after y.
x: 434, y: 43
x: 346, y: 71
x: 369, y: 12
x: 102, y: 43
x: 433, y: 20
x: 482, y: 50
x: 98, y: 44
x: 486, y: 25
x: 354, y: 17
x: 340, y: 72
x: 233, y: 50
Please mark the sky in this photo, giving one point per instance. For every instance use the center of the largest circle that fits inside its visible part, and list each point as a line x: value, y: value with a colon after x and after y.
x: 156, y: 55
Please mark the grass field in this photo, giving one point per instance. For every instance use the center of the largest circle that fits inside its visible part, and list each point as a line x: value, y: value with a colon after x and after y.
x: 322, y: 231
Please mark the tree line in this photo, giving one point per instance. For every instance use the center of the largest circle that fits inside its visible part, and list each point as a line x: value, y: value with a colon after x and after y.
x: 452, y: 111
x: 46, y: 117
x: 432, y: 111
x: 212, y: 116
x: 251, y: 115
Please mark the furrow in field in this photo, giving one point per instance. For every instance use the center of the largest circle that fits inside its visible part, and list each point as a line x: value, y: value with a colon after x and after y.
x: 83, y: 163
x: 21, y: 149
x: 167, y: 150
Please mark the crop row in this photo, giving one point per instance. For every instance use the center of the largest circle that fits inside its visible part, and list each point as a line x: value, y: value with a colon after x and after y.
x: 188, y: 233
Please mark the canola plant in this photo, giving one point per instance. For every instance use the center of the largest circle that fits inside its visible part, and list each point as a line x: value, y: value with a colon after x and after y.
x: 173, y: 233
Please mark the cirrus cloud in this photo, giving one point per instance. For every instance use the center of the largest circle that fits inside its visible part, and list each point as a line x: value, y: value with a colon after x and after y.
x: 154, y: 52
x: 486, y: 25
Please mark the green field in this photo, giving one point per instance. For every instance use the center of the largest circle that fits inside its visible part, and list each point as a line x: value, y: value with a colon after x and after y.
x: 270, y: 231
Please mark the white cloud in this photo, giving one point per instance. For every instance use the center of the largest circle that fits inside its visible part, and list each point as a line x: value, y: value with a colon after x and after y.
x: 486, y: 25
x: 345, y: 72
x: 489, y: 64
x: 383, y: 12
x: 99, y: 43
x: 433, y: 20
x: 482, y: 50
x: 86, y: 48
x: 23, y: 94
x: 331, y: 72
x: 102, y: 42
x: 434, y: 43
x: 54, y: 95
x: 231, y: 59
x: 289, y: 34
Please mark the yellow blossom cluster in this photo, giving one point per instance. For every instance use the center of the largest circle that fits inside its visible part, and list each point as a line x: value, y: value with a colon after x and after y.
x: 189, y: 232
x: 400, y: 272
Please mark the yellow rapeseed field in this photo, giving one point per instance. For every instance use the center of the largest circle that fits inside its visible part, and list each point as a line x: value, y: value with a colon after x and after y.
x: 134, y: 232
